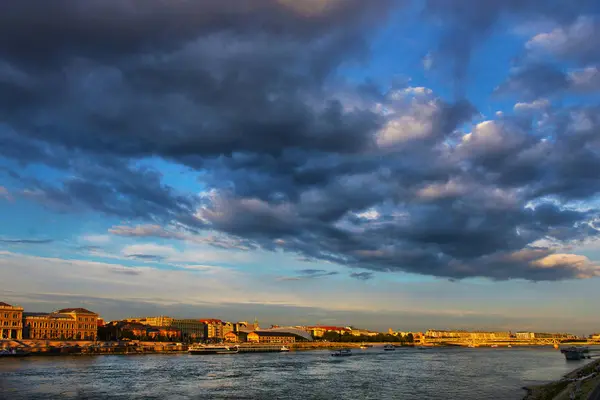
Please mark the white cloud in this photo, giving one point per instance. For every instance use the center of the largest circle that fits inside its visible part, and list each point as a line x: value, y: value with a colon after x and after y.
x: 401, y: 128
x: 562, y: 40
x: 149, y: 249
x: 586, y: 79
x: 96, y: 239
x: 584, y: 267
x: 536, y: 105
x: 370, y: 214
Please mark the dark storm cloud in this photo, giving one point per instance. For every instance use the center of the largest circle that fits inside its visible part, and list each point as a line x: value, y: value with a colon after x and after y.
x: 113, y: 187
x: 111, y: 28
x: 291, y: 158
x: 536, y: 80
x: 467, y: 23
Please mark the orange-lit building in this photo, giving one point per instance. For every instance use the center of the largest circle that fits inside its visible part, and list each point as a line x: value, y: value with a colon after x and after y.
x: 214, y: 329
x: 236, y: 337
x: 68, y: 323
x: 11, y: 321
x: 169, y: 332
x: 191, y: 329
x: 271, y: 337
x: 319, y: 331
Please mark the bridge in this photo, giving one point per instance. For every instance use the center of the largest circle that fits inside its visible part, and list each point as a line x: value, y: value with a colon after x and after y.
x: 427, y: 341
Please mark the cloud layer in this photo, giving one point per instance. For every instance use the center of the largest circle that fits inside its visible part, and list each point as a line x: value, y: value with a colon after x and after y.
x: 292, y: 157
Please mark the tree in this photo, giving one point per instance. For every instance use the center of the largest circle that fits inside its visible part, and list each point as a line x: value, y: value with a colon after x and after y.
x: 410, y: 338
x: 331, y: 336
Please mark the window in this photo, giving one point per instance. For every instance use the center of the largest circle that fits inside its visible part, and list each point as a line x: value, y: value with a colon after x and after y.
x: 15, y: 316
x: 6, y: 315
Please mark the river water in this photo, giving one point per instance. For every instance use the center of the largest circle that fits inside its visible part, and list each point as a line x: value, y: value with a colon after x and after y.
x: 407, y: 373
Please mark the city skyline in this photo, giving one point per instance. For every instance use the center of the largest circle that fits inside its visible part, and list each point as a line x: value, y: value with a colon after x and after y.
x: 386, y: 164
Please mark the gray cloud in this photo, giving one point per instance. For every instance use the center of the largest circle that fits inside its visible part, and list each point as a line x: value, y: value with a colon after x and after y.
x: 146, y: 257
x: 247, y: 99
x: 362, y: 276
x: 309, y: 274
x: 26, y: 241
x: 467, y: 23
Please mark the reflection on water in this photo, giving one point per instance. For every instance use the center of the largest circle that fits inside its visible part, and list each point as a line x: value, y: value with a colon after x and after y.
x: 370, y: 374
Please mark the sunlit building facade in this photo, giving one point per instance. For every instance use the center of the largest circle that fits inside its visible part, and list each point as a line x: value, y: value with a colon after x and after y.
x: 11, y: 321
x: 191, y: 329
x: 68, y: 323
x: 271, y: 337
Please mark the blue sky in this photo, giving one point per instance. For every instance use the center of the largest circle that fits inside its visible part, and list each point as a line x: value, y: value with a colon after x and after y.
x: 403, y: 164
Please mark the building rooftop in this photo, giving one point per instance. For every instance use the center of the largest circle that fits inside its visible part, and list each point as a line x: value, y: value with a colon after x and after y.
x: 35, y: 314
x: 76, y: 310
x: 329, y: 328
x: 271, y: 333
x: 6, y: 305
x: 211, y: 321
x: 47, y: 315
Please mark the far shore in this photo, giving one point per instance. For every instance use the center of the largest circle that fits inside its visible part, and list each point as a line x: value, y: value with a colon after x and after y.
x: 131, y: 347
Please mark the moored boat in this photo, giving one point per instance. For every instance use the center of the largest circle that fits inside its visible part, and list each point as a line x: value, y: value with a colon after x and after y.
x: 341, y: 353
x: 14, y: 353
x: 575, y: 353
x: 212, y: 349
x: 262, y: 348
x: 389, y: 347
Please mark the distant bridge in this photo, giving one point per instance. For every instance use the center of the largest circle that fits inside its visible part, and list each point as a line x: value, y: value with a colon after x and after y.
x: 500, y: 342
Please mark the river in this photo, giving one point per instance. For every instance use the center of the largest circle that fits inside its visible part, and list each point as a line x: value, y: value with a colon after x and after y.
x: 407, y: 373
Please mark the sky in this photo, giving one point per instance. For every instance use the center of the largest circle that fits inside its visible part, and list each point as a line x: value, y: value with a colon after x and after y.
x: 398, y: 164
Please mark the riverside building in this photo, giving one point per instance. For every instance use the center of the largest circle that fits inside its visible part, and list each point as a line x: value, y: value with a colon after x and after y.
x: 271, y: 337
x: 68, y: 323
x: 11, y: 321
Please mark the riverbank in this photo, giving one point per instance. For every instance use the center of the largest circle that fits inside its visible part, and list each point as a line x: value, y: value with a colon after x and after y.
x: 581, y: 384
x: 56, y: 348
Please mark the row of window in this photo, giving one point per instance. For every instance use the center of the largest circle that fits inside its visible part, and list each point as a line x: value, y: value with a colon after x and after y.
x: 61, y: 335
x: 15, y: 315
x: 14, y: 323
x: 62, y: 325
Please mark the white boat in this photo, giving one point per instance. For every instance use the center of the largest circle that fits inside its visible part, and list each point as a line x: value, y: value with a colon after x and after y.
x: 342, y: 353
x: 494, y: 346
x: 389, y: 347
x: 212, y: 349
x: 262, y: 348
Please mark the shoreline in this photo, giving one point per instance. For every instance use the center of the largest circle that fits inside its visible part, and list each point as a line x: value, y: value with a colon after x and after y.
x: 577, y: 384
